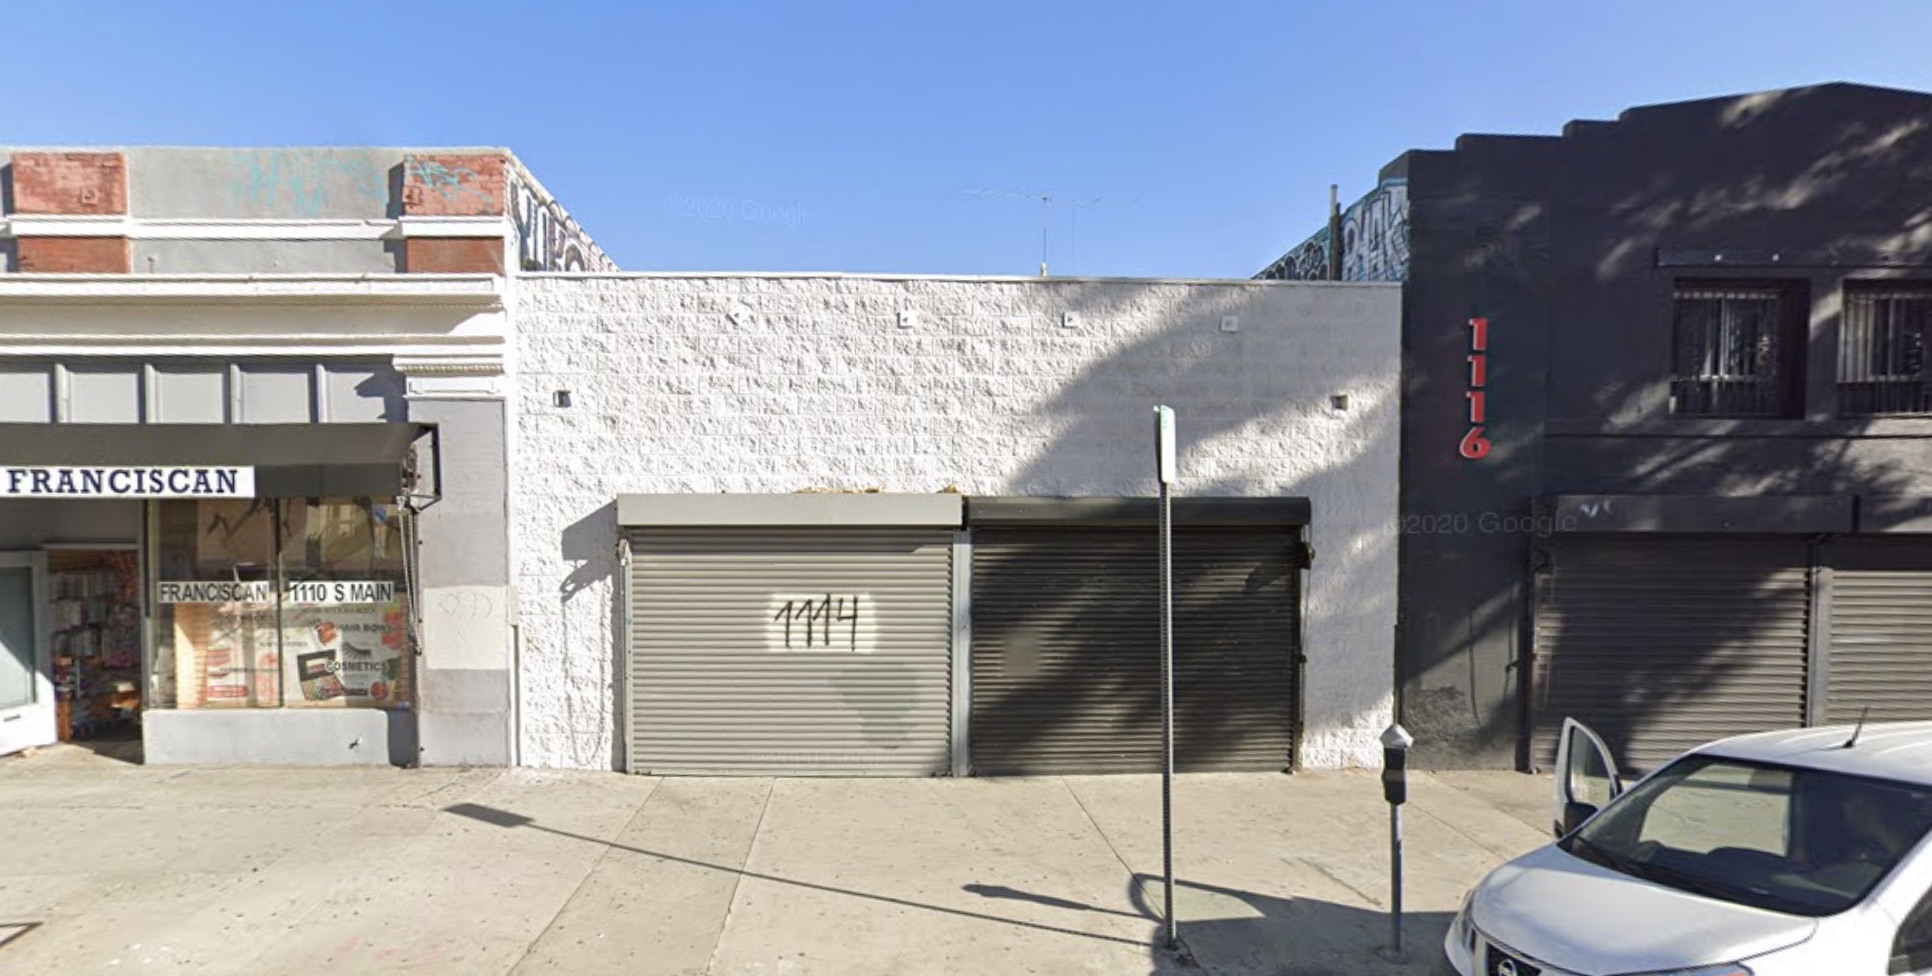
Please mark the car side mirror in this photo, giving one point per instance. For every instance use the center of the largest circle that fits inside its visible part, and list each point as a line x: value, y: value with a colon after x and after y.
x: 1574, y: 814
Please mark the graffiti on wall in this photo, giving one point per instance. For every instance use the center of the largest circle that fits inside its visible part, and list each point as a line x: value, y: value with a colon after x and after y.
x: 457, y: 189
x: 841, y: 622
x: 548, y: 238
x: 302, y: 183
x: 1375, y: 235
x: 1375, y: 242
x: 1307, y: 262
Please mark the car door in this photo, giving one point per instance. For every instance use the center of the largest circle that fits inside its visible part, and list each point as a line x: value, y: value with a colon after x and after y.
x: 1586, y: 776
x: 1912, y: 944
x: 1903, y: 915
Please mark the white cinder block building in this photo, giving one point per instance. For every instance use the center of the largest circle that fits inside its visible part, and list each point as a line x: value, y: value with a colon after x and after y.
x: 1023, y: 395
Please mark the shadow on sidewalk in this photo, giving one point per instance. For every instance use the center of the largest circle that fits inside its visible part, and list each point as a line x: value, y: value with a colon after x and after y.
x: 1223, y: 930
x: 1227, y: 930
x: 504, y: 818
x: 119, y: 749
x: 9, y: 931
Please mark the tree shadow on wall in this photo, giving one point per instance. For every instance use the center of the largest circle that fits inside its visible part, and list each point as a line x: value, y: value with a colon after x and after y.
x: 590, y: 546
x: 391, y: 389
x: 1044, y: 701
x: 1039, y: 708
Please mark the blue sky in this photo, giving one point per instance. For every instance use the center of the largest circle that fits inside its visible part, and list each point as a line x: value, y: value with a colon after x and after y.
x: 896, y: 136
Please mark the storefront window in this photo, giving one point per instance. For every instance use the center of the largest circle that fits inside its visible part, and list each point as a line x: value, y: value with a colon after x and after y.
x: 215, y: 602
x: 280, y: 602
x: 345, y: 635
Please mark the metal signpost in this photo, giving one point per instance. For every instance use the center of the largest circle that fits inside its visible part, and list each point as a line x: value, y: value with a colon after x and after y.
x: 1164, y: 444
x: 1395, y: 789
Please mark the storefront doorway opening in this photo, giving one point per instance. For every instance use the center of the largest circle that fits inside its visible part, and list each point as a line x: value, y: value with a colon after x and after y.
x: 95, y: 636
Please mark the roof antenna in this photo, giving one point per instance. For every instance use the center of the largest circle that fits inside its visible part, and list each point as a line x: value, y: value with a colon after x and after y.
x: 1857, y: 729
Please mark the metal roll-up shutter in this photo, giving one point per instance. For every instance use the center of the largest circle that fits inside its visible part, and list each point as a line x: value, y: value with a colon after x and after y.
x: 1066, y: 649
x: 777, y: 651
x: 1880, y: 627
x: 1661, y: 645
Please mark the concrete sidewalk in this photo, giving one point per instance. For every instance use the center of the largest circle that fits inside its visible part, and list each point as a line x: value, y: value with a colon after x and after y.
x: 112, y: 868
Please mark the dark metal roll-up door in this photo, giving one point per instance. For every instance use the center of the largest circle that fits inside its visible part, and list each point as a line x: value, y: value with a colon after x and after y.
x: 1880, y: 627
x: 779, y: 651
x: 1661, y: 645
x: 1066, y: 649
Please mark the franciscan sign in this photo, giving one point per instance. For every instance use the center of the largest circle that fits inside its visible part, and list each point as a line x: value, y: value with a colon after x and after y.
x: 308, y: 593
x: 128, y: 482
x: 215, y: 591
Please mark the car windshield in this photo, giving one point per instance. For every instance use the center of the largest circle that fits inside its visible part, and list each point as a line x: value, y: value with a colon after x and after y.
x: 1787, y: 839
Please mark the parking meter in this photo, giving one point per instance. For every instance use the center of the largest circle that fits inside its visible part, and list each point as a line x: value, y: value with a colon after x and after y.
x: 1395, y: 789
x: 1395, y: 764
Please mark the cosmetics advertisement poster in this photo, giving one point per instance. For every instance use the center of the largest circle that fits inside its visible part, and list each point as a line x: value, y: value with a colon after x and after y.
x: 240, y: 661
x: 347, y: 654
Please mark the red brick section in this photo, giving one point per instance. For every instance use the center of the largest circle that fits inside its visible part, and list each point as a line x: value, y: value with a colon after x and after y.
x: 69, y: 183
x: 453, y: 185
x: 453, y: 255
x: 74, y: 255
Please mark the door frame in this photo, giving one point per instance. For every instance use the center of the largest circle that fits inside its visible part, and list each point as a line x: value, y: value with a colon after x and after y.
x: 33, y: 724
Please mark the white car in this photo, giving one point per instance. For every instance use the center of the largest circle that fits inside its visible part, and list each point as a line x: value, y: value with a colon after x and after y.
x: 1798, y: 853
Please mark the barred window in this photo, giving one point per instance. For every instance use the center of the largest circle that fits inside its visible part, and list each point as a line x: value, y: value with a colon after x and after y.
x: 1881, y: 350
x: 1737, y: 349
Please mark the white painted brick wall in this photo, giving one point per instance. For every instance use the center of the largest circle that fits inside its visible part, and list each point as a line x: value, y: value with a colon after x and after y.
x: 778, y: 383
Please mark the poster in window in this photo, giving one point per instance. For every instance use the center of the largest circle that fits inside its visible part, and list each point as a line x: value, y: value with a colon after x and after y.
x: 227, y: 665
x: 347, y: 654
x: 239, y: 659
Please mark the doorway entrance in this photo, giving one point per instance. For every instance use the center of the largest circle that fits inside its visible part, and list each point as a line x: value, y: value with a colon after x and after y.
x: 26, y: 687
x: 95, y: 633
x: 71, y: 649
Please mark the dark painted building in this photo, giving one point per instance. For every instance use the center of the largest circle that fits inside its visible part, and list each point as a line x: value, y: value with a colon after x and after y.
x: 1666, y: 427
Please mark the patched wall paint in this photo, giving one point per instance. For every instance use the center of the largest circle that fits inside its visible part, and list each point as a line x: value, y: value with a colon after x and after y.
x: 718, y: 383
x: 310, y: 183
x: 463, y: 569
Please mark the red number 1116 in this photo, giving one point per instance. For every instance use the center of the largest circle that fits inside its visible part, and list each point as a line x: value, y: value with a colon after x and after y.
x: 1474, y: 445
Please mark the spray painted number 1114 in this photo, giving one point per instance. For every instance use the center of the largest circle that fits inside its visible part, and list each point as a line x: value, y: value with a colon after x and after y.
x: 1474, y: 445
